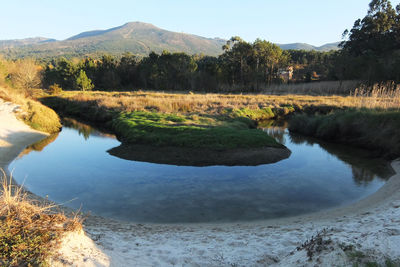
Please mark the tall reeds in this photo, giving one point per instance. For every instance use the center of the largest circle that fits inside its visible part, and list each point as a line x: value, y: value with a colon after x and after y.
x: 380, y: 95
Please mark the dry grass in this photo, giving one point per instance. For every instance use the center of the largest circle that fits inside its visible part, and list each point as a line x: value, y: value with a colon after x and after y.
x: 378, y: 97
x: 29, y: 232
x: 314, y: 88
x: 192, y: 103
x: 33, y: 113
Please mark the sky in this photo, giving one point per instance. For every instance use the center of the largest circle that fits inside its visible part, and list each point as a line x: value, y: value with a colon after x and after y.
x: 280, y: 21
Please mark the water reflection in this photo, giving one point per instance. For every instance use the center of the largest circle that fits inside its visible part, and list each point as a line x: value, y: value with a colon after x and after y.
x: 40, y: 145
x: 276, y: 129
x: 316, y: 176
x: 84, y: 129
x: 365, y: 167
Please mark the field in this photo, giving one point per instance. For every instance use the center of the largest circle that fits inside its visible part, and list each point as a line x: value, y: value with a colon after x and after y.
x: 386, y: 95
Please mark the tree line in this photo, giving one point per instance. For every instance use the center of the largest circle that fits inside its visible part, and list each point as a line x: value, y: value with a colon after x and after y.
x: 243, y: 66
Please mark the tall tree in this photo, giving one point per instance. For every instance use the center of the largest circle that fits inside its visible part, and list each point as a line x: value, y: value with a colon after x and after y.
x: 236, y: 60
x: 268, y: 59
x: 127, y: 70
x: 83, y: 82
x: 107, y: 77
x: 375, y: 41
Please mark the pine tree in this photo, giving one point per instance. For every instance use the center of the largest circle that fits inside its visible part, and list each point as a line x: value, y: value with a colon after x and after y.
x: 83, y: 82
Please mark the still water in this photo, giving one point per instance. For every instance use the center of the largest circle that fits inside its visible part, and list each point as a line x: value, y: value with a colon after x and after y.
x: 75, y: 169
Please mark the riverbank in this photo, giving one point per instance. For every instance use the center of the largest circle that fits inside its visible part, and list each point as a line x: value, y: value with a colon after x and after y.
x: 364, y: 232
x: 34, y: 114
x: 372, y: 129
x: 14, y: 137
x: 14, y: 134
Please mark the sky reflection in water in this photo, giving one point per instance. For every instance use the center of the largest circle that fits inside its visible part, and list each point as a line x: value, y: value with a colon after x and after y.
x: 75, y: 165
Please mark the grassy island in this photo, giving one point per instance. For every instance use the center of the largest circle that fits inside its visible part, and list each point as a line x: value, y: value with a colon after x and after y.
x: 169, y: 120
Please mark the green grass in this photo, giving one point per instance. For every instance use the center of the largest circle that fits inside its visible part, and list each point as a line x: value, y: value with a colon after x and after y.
x: 259, y: 114
x: 254, y: 114
x: 177, y: 130
x: 377, y: 130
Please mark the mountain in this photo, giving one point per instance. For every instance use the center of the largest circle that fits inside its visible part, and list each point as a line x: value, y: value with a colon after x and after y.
x: 136, y: 37
x: 22, y: 42
x: 308, y: 47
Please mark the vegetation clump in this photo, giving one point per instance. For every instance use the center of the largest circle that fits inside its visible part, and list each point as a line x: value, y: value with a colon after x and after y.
x: 373, y: 129
x: 316, y: 244
x: 29, y: 233
x: 54, y: 89
x: 173, y: 130
x: 254, y: 114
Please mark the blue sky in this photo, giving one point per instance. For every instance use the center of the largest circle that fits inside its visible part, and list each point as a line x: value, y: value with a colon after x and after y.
x: 280, y: 21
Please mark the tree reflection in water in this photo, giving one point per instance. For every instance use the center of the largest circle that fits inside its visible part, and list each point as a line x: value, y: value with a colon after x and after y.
x: 39, y: 146
x: 84, y: 129
x: 275, y: 129
x: 365, y: 166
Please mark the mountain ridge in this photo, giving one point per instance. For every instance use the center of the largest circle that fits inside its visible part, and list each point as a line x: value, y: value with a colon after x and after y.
x: 304, y: 46
x: 136, y: 37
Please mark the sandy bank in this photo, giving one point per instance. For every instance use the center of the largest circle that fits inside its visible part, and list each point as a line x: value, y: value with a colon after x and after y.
x: 14, y: 137
x: 14, y: 134
x: 369, y: 227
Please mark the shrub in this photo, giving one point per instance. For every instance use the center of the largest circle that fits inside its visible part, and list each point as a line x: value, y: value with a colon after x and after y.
x: 41, y: 118
x: 54, y: 89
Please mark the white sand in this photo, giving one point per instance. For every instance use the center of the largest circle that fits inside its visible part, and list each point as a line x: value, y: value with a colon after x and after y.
x: 371, y: 226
